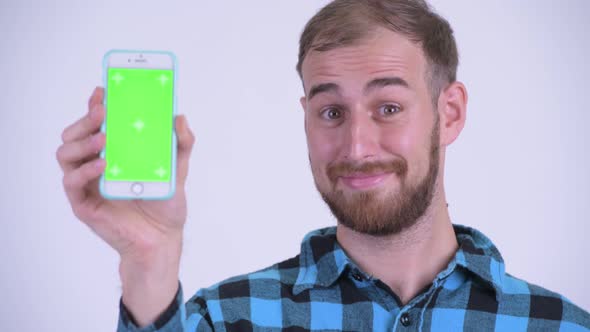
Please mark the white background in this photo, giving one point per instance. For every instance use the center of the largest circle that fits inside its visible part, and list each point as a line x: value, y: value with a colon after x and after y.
x: 519, y: 171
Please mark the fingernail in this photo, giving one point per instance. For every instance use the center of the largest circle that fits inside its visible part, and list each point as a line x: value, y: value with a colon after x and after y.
x: 96, y: 142
x: 99, y: 163
x: 95, y: 111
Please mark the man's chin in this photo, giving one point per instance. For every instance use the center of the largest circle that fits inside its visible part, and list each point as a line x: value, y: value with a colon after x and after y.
x: 363, y: 212
x: 373, y: 229
x: 370, y: 230
x: 372, y: 197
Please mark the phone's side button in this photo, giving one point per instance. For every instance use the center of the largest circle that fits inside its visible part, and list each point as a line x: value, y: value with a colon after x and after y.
x: 137, y: 188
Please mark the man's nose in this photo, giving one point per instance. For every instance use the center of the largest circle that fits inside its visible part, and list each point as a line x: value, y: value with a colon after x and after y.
x: 361, y: 139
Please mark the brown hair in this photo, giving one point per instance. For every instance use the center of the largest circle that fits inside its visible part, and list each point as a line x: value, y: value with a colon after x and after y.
x: 346, y: 22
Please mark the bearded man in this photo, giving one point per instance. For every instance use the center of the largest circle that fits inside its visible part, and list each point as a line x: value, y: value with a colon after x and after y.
x: 381, y: 104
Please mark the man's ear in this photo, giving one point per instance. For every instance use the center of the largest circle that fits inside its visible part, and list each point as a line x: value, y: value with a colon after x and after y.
x: 452, y: 108
x: 303, y: 102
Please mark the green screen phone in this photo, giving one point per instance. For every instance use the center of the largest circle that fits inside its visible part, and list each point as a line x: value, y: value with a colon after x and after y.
x: 139, y: 125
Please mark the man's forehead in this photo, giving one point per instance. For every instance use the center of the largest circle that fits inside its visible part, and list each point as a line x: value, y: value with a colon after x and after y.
x: 385, y: 54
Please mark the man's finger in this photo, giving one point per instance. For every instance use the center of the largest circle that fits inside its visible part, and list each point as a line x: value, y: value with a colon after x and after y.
x: 85, y: 126
x: 96, y: 98
x: 70, y: 155
x: 186, y: 140
x: 76, y: 181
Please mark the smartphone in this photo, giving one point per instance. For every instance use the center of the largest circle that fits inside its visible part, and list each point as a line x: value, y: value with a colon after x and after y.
x: 140, y: 104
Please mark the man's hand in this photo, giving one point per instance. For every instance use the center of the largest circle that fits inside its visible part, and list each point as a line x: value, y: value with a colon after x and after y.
x: 146, y: 234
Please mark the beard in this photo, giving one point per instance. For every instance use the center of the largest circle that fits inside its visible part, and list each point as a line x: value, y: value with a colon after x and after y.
x: 365, y: 212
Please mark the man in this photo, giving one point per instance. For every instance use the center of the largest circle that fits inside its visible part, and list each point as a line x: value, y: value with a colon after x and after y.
x: 381, y: 105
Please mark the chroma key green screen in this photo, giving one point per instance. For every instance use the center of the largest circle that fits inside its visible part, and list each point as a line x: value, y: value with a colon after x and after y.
x: 139, y: 123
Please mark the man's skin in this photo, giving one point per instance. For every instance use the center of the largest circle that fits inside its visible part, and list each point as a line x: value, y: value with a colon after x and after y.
x: 148, y: 234
x: 408, y: 261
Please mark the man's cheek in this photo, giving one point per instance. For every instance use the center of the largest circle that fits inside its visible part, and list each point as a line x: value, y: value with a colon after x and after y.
x: 327, y: 152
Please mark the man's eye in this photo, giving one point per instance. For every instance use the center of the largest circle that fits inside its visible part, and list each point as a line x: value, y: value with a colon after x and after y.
x: 332, y: 114
x: 389, y: 109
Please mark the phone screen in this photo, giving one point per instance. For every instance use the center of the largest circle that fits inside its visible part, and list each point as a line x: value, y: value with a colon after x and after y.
x: 139, y: 124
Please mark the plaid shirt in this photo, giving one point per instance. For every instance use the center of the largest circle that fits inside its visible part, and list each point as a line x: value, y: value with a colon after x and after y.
x: 321, y: 289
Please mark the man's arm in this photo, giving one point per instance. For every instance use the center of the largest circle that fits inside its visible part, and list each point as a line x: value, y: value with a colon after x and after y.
x: 146, y: 234
x: 150, y: 282
x: 192, y: 317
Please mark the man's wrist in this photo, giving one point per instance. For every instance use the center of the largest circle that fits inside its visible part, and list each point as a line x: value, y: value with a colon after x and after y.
x: 150, y: 280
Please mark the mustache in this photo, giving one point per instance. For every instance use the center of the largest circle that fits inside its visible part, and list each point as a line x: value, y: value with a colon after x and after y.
x: 397, y: 166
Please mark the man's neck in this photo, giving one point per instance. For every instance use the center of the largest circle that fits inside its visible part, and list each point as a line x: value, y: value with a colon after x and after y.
x: 409, y: 261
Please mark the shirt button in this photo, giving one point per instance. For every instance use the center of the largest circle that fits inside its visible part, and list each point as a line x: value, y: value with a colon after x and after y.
x: 405, y: 319
x: 357, y: 276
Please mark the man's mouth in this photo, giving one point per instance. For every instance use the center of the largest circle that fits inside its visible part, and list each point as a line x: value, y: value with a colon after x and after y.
x: 363, y: 181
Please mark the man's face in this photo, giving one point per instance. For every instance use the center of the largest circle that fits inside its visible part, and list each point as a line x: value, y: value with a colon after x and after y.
x: 372, y: 133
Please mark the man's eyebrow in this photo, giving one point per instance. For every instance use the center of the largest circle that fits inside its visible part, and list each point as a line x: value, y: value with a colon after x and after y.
x: 324, y: 87
x: 374, y: 84
x: 385, y: 81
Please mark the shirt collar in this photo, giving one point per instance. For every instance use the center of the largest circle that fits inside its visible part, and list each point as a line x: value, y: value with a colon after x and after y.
x: 478, y: 255
x: 322, y: 261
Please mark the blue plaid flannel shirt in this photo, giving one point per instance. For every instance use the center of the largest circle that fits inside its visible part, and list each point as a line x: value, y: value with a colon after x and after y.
x: 321, y: 289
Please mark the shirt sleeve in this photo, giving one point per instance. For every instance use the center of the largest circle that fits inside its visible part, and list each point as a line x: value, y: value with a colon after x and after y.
x: 178, y: 317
